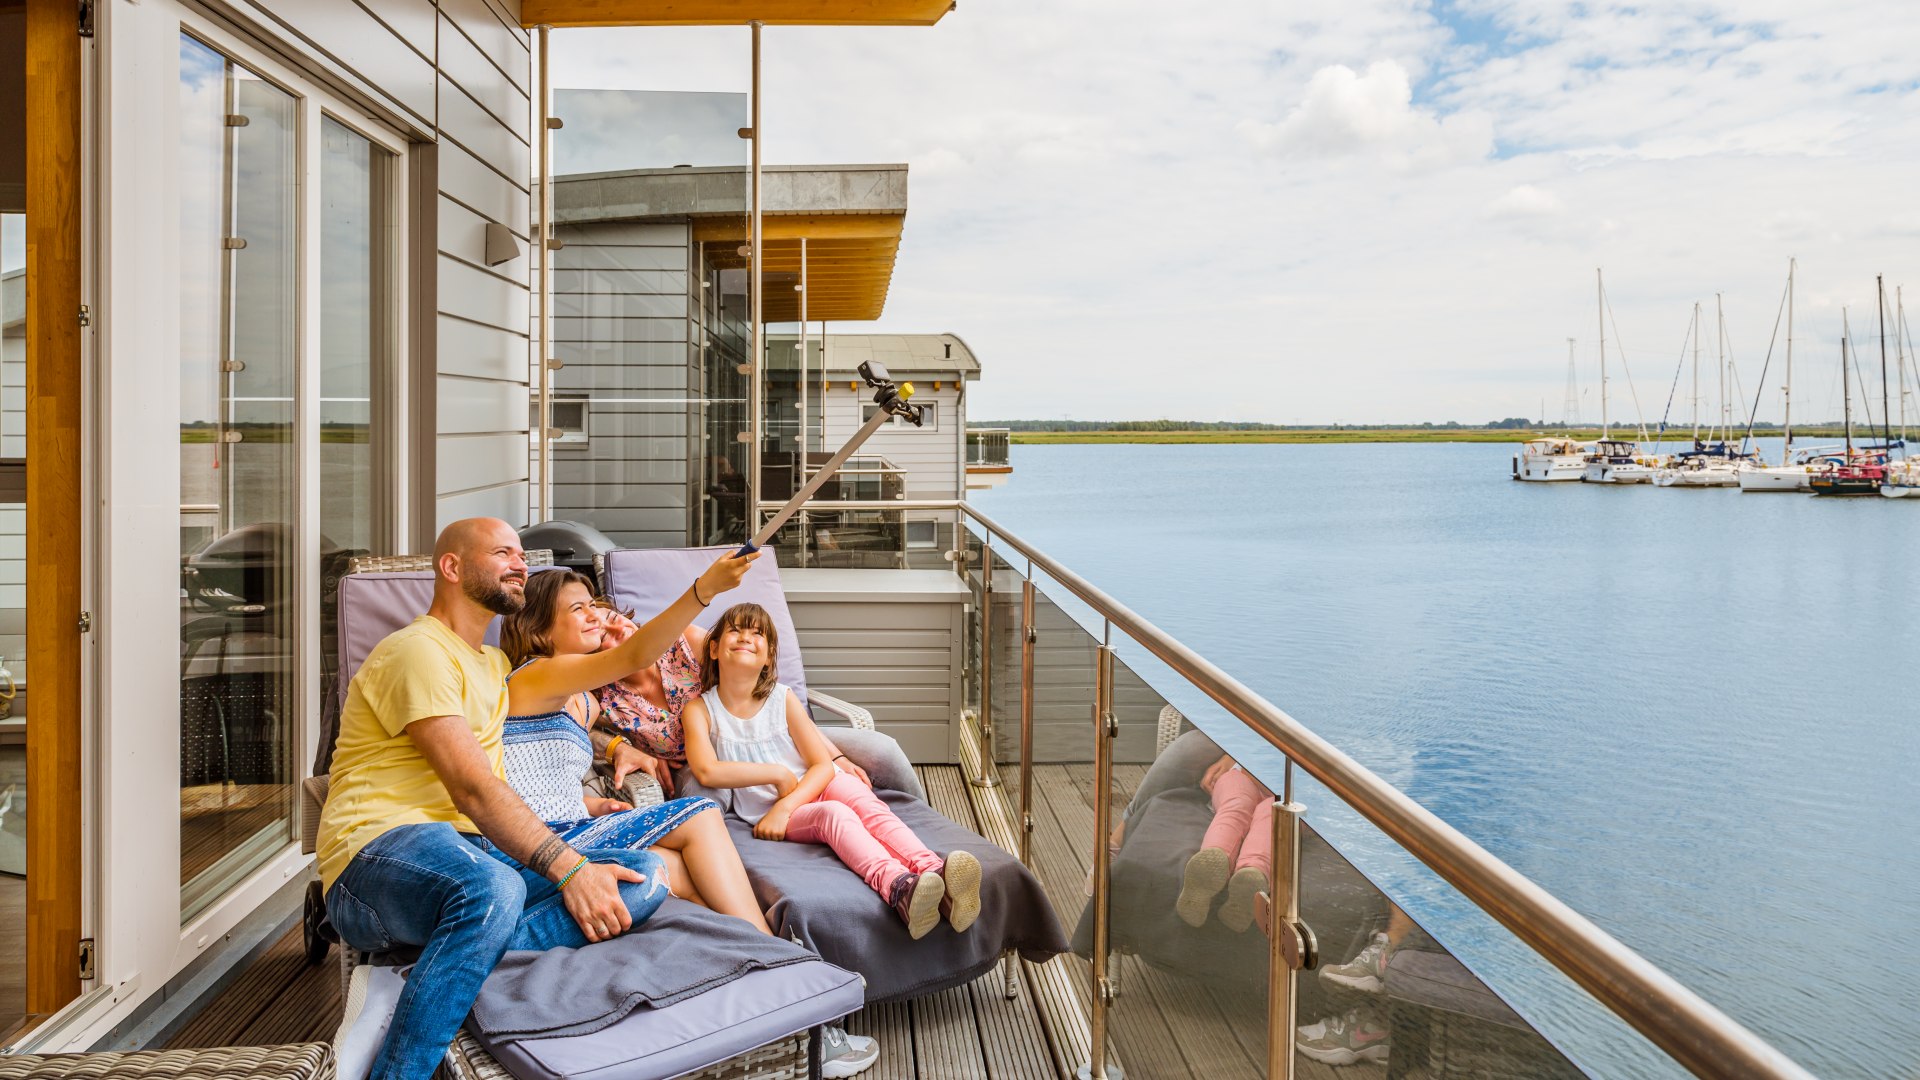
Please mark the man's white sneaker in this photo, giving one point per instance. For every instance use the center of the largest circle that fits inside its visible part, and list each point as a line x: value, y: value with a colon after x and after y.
x: 844, y: 1055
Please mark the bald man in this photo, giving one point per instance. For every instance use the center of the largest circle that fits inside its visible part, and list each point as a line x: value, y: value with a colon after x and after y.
x: 417, y: 781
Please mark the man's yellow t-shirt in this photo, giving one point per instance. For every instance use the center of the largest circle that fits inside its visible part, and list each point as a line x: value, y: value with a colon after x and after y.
x: 380, y: 779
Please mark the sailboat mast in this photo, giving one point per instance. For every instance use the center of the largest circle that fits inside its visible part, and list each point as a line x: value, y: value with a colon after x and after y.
x: 1886, y: 413
x: 1846, y: 383
x: 1720, y: 347
x: 1786, y: 421
x: 1900, y: 355
x: 1696, y: 373
x: 1600, y: 298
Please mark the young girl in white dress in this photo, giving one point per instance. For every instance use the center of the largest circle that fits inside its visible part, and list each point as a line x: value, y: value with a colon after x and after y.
x: 750, y: 732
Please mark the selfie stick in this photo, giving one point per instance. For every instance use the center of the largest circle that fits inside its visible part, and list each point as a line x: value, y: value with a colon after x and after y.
x: 892, y: 401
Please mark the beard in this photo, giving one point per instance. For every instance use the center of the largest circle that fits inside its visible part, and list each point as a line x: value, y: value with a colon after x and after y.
x: 495, y: 596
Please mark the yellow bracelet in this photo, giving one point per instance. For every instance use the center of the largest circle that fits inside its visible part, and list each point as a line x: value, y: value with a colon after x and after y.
x: 615, y: 741
x: 562, y: 883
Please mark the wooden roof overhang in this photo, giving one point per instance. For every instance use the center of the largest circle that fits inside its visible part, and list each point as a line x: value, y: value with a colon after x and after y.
x: 850, y: 261
x: 562, y: 14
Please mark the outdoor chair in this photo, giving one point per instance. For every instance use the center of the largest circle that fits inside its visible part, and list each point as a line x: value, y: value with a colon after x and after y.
x: 754, y: 1027
x: 809, y: 895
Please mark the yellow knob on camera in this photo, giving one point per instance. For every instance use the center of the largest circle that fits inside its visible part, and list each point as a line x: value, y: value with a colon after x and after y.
x: 906, y: 390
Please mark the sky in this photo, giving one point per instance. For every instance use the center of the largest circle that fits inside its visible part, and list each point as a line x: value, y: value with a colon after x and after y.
x: 1356, y: 211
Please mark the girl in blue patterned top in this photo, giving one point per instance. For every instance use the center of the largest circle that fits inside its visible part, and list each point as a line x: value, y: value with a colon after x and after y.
x: 554, y: 643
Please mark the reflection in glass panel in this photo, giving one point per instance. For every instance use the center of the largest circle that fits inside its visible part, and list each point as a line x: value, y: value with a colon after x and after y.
x: 238, y: 245
x: 13, y: 642
x: 1388, y: 991
x: 354, y: 334
x: 650, y: 316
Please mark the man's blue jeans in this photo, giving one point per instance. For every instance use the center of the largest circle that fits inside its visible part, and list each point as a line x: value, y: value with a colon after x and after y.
x: 433, y: 887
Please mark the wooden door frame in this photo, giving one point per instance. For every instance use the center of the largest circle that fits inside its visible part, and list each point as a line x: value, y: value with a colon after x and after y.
x: 54, y: 533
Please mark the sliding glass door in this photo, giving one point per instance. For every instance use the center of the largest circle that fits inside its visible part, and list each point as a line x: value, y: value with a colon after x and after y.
x: 239, y: 325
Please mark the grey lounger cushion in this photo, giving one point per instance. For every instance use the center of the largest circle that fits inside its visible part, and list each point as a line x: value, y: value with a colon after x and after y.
x: 810, y: 895
x: 720, y: 988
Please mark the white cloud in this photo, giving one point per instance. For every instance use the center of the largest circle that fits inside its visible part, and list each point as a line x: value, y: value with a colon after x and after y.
x: 1086, y: 207
x: 1346, y: 113
x: 1527, y: 201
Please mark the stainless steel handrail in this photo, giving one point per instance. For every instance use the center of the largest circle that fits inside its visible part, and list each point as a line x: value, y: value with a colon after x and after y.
x: 1695, y: 1033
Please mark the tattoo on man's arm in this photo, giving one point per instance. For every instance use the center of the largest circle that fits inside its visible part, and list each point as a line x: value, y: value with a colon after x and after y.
x: 543, y: 856
x: 601, y: 737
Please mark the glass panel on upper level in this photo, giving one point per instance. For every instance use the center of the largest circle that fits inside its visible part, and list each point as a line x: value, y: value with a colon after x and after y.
x: 650, y: 315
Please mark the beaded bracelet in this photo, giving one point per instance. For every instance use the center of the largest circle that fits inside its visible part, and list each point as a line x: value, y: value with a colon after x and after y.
x: 562, y: 883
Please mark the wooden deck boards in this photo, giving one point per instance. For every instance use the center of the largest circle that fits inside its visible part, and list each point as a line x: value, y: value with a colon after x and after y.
x: 1163, y: 1025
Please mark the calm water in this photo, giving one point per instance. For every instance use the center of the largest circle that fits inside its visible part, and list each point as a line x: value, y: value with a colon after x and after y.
x: 1688, y: 714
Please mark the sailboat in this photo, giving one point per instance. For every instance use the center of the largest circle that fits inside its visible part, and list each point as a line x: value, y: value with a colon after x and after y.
x: 1613, y: 461
x: 1861, y: 471
x: 1903, y: 476
x: 1791, y: 473
x: 1708, y: 464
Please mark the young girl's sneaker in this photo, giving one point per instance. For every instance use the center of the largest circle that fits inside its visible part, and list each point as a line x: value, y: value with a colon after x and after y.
x: 843, y: 1055
x: 1206, y: 875
x: 1364, y: 971
x: 1245, y: 884
x: 962, y: 903
x: 916, y: 898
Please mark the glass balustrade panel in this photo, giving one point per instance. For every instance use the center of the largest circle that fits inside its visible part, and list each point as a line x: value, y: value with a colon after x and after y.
x: 649, y: 403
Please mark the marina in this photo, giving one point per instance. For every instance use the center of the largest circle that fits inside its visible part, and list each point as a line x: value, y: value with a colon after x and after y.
x: 501, y: 578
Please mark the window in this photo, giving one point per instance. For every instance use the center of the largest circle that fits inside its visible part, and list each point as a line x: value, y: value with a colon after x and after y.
x: 929, y: 417
x: 923, y: 534
x: 569, y: 426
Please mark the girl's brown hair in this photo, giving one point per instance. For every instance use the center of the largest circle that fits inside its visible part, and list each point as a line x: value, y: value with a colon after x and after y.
x: 743, y: 617
x: 526, y: 633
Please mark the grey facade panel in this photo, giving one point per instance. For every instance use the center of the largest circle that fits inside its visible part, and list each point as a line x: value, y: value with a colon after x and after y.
x: 465, y: 64
x: 620, y: 381
x: 362, y: 48
x: 508, y: 502
x: 899, y: 656
x: 576, y: 467
x: 478, y: 296
x: 503, y: 42
x: 625, y: 305
x: 633, y: 494
x: 637, y: 421
x: 463, y: 235
x: 464, y: 178
x: 572, y: 281
x: 583, y: 256
x: 617, y: 330
x: 481, y: 352
x: 482, y: 406
x: 412, y: 20
x: 479, y: 460
x: 465, y: 122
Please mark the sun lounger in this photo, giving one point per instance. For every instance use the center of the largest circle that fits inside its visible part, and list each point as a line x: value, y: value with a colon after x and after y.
x: 808, y: 893
x: 764, y: 1014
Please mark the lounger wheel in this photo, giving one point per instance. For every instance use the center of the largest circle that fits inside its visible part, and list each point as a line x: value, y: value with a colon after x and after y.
x: 315, y: 933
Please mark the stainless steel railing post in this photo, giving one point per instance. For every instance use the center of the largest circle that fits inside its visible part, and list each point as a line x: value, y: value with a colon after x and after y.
x: 1028, y: 636
x: 1104, y: 729
x: 989, y: 776
x: 1289, y: 943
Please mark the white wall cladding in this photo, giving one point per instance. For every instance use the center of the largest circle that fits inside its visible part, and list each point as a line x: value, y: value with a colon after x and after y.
x: 485, y: 158
x: 931, y: 459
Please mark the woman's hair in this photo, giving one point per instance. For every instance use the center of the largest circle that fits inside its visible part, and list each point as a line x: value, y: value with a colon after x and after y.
x: 524, y: 634
x: 743, y: 617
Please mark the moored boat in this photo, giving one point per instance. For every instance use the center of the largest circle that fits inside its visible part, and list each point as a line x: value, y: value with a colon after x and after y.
x: 1550, y: 459
x: 1617, y: 461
